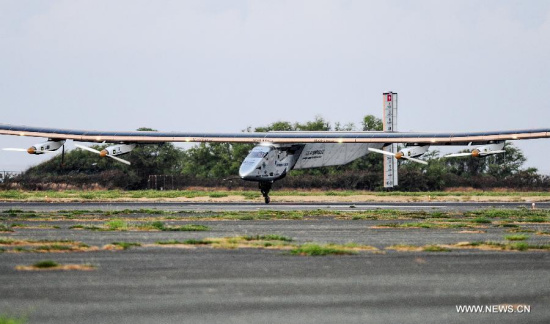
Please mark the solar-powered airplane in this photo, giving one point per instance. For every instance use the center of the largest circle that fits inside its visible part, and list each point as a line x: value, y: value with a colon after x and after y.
x: 277, y: 153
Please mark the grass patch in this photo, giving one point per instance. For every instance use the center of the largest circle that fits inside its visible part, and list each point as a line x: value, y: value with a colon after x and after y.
x: 481, y: 220
x: 5, y: 228
x: 423, y: 225
x: 103, y: 195
x: 6, y: 240
x: 13, y: 211
x: 537, y: 219
x: 520, y: 246
x: 52, y: 265
x: 481, y: 245
x: 46, y: 264
x: 509, y: 225
x: 518, y: 237
x: 169, y: 242
x: 520, y: 230
x: 438, y: 214
x: 268, y: 237
x: 24, y: 245
x: 311, y: 249
x: 251, y: 195
x: 418, y: 225
x: 189, y: 242
x: 510, y: 246
x: 435, y: 248
x: 476, y: 217
x: 217, y: 194
x: 126, y: 245
x: 158, y: 225
x: 5, y: 319
x: 87, y: 227
x: 55, y: 247
x: 188, y: 228
x: 273, y: 241
x: 197, y: 242
x: 117, y: 225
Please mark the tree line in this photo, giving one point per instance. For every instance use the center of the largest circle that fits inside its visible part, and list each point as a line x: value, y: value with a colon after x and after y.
x: 212, y: 164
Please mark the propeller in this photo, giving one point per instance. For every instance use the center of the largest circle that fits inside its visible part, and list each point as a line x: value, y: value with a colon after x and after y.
x: 397, y: 155
x: 14, y: 149
x: 459, y: 154
x: 25, y: 150
x: 474, y: 153
x: 98, y: 152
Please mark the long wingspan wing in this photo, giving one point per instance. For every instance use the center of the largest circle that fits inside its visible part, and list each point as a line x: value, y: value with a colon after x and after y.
x: 276, y: 137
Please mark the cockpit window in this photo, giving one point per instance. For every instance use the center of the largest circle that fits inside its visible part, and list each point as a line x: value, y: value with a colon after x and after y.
x: 257, y: 154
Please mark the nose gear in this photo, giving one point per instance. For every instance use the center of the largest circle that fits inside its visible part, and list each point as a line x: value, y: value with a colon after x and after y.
x: 265, y: 187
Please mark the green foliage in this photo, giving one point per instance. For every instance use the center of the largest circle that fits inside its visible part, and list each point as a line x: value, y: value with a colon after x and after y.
x: 372, y: 123
x: 518, y: 237
x: 158, y: 225
x: 46, y: 264
x: 197, y: 242
x: 268, y: 237
x: 312, y: 249
x: 214, y: 160
x: 117, y: 225
x: 6, y: 228
x: 4, y: 319
x: 190, y: 241
x: 189, y: 228
x: 435, y: 248
x: 146, y: 159
x: 482, y: 220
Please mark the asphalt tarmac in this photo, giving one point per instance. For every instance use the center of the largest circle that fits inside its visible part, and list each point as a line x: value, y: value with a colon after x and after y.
x: 155, y: 284
x: 202, y: 206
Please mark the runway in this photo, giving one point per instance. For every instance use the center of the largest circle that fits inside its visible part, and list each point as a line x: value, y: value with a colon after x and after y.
x: 156, y: 284
x: 200, y: 206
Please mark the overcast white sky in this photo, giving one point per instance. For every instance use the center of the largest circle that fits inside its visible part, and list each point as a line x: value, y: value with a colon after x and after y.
x: 221, y: 65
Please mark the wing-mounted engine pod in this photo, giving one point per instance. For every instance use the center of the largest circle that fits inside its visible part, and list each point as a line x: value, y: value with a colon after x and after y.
x: 45, y: 147
x: 118, y: 149
x: 489, y: 149
x: 481, y: 151
x: 412, y: 151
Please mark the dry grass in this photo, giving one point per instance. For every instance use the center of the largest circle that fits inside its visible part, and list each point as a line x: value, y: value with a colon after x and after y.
x: 221, y: 195
x: 483, y: 246
x: 61, y: 267
x: 271, y: 242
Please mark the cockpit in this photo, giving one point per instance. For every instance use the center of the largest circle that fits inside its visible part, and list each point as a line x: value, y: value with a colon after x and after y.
x: 257, y: 154
x: 253, y: 163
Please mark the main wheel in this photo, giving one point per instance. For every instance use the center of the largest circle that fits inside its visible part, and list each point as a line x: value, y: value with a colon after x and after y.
x: 267, y: 199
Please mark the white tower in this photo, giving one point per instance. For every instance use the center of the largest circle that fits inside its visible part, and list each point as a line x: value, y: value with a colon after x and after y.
x: 390, y: 125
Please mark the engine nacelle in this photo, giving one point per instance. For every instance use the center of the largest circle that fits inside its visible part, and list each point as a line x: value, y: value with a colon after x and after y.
x: 481, y: 151
x: 488, y: 149
x: 118, y: 149
x: 412, y: 151
x: 45, y: 147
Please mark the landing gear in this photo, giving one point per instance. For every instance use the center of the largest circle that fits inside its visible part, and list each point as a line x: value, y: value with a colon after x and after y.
x: 265, y: 187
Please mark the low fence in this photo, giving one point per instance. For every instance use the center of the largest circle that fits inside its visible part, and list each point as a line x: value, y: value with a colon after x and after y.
x: 180, y: 182
x: 6, y: 175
